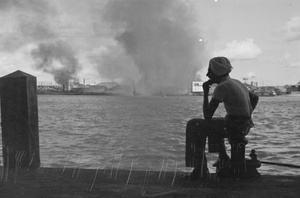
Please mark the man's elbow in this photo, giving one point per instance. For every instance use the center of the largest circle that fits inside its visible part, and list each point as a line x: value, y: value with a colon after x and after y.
x: 207, y: 115
x: 253, y: 99
x: 256, y: 98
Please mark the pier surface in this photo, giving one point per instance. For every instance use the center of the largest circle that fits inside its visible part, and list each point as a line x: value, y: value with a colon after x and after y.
x: 75, y: 183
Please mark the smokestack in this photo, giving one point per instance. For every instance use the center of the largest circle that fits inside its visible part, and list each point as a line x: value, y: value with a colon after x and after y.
x: 65, y: 85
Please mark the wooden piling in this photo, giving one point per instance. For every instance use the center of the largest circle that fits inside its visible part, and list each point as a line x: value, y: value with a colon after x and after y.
x: 19, y: 121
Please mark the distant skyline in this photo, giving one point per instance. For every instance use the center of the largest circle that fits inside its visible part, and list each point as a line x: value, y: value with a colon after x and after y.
x: 158, y: 42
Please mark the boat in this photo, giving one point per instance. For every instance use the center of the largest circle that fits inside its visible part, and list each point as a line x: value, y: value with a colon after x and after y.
x: 265, y: 93
x: 295, y: 93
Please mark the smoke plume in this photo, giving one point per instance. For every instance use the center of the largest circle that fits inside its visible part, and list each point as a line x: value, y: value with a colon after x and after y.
x: 160, y: 37
x: 154, y: 43
x: 56, y: 58
x: 34, y: 25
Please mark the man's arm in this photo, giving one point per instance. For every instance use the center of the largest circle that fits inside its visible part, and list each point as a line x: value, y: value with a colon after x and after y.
x: 253, y: 99
x: 209, y: 108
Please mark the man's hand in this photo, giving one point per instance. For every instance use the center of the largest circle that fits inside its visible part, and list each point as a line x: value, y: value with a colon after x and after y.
x: 206, y: 85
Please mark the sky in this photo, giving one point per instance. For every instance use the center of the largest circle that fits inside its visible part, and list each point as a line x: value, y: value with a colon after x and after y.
x: 154, y: 44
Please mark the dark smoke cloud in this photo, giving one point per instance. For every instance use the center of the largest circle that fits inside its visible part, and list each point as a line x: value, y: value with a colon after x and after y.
x: 56, y: 58
x: 113, y: 63
x: 161, y: 37
x: 153, y: 42
x: 33, y: 25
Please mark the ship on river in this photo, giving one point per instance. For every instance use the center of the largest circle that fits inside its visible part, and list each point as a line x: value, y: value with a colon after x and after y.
x: 103, y: 88
x: 265, y: 93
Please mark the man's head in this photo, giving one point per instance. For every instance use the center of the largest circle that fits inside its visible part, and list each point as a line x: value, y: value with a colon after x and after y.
x: 218, y: 68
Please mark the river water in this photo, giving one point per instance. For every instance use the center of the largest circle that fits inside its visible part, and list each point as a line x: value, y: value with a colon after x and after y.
x: 148, y: 133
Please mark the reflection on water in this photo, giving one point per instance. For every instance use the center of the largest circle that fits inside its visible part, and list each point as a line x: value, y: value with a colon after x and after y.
x: 114, y: 131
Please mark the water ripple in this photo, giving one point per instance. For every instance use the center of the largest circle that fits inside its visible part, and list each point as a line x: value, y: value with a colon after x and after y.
x: 110, y: 131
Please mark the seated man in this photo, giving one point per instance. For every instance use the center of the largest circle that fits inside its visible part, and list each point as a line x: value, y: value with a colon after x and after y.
x: 239, y: 104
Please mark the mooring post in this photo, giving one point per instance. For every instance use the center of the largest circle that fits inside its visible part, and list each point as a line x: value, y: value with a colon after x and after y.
x: 19, y: 121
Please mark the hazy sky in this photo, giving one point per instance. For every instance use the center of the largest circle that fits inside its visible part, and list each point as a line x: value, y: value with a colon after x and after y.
x: 153, y: 42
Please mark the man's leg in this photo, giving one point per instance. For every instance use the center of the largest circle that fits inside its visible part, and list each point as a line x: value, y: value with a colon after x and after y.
x: 196, y: 132
x: 218, y: 132
x: 222, y: 150
x: 216, y: 129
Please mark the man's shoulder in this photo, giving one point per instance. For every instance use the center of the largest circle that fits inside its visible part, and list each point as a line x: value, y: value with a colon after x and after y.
x: 222, y: 87
x: 230, y: 84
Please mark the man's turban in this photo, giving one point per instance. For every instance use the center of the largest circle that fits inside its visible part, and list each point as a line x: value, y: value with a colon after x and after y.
x: 220, y: 66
